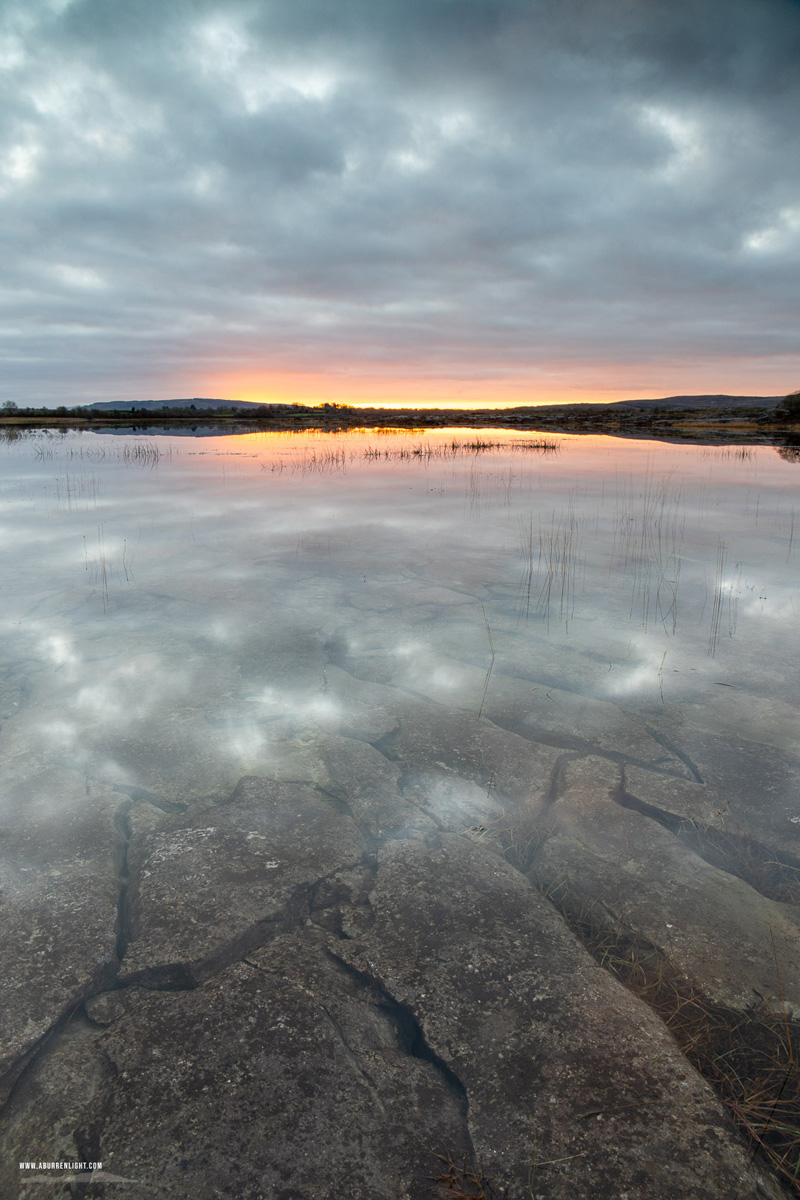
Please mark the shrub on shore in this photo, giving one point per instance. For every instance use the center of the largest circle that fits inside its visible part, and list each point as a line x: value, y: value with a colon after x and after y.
x: 789, y: 408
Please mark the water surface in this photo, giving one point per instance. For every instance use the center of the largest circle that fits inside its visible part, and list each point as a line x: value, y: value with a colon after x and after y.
x: 145, y: 579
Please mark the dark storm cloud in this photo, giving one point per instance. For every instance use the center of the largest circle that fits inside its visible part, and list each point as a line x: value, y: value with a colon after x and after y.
x: 457, y: 188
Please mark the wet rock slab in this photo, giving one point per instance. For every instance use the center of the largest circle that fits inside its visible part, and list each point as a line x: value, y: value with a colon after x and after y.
x: 543, y: 1041
x: 280, y: 1077
x: 228, y: 875
x: 531, y: 708
x: 712, y: 925
x: 59, y: 843
x: 322, y: 987
x: 428, y: 1003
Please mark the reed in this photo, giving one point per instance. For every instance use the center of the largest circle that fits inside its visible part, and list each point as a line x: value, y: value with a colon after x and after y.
x: 456, y: 448
x: 791, y: 536
x: 649, y: 533
x: 726, y: 598
x: 491, y: 664
x: 550, y: 585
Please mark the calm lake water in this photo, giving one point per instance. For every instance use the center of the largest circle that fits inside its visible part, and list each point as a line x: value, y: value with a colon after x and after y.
x: 177, y: 610
x: 147, y: 578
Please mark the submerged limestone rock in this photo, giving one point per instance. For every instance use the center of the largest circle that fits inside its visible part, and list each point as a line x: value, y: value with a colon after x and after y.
x: 573, y: 1086
x: 699, y: 804
x: 532, y: 708
x: 361, y: 708
x: 59, y: 845
x: 321, y: 984
x: 714, y: 927
x: 452, y: 743
x: 758, y: 787
x: 446, y: 1010
x: 367, y: 783
x: 208, y: 884
x: 736, y: 714
x: 280, y: 1077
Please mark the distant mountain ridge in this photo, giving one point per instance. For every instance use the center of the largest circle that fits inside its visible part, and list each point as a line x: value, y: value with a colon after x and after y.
x: 715, y: 401
x: 201, y: 403
x: 198, y: 402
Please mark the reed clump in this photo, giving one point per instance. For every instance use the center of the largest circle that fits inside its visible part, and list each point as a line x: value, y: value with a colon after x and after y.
x: 520, y: 836
x: 142, y: 454
x: 748, y: 1057
x: 550, y: 582
x: 459, y: 448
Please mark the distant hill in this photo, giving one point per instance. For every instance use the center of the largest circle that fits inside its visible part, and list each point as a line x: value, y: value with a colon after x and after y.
x: 204, y: 403
x: 198, y: 402
x: 703, y: 402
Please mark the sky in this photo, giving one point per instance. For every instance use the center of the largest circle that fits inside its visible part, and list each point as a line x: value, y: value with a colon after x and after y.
x: 398, y: 202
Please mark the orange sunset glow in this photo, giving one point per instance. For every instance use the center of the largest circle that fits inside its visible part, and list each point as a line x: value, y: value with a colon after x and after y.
x: 582, y: 386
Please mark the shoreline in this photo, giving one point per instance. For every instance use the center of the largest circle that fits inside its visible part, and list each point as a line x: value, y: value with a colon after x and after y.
x: 752, y: 425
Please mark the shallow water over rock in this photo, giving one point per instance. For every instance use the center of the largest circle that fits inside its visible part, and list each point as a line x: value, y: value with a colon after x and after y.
x: 333, y: 747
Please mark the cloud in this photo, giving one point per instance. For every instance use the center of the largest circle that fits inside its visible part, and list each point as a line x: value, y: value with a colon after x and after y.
x: 456, y: 190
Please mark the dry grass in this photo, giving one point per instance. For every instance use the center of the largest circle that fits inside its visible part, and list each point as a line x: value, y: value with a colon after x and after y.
x: 522, y: 837
x: 464, y: 1180
x: 769, y: 872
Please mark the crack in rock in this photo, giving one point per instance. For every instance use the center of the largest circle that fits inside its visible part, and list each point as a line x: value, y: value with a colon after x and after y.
x: 669, y: 745
x: 354, y: 1059
x: 186, y: 976
x: 410, y: 1037
x: 773, y: 873
x: 171, y: 977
